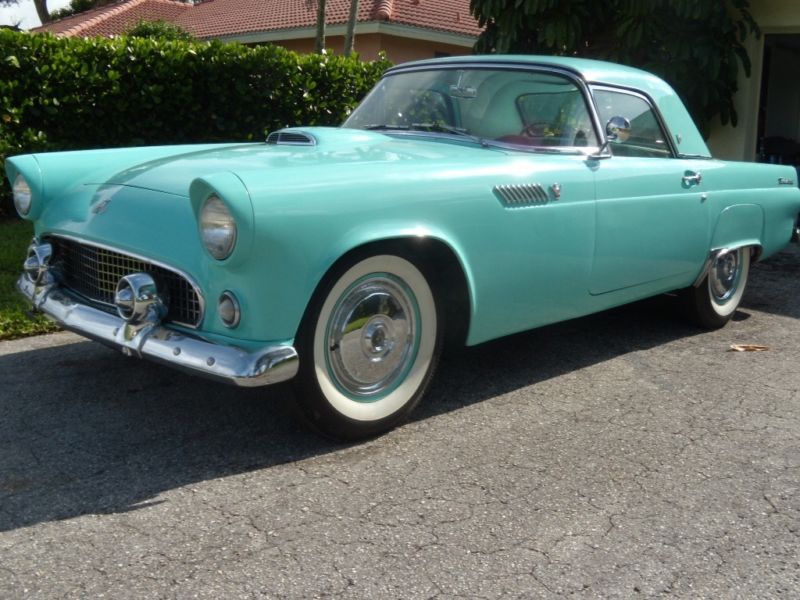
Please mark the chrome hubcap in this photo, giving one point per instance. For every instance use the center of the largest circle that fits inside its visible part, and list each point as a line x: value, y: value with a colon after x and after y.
x: 724, y: 275
x: 372, y: 337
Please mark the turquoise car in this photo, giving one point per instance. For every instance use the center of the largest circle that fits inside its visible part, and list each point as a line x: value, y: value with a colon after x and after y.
x: 465, y: 199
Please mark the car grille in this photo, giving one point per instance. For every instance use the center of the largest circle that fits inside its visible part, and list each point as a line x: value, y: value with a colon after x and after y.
x: 93, y: 272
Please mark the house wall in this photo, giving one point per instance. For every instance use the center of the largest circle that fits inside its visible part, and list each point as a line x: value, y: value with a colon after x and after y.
x: 398, y: 49
x: 739, y: 143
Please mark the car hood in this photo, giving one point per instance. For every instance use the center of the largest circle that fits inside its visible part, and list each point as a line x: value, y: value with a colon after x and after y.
x: 172, y: 169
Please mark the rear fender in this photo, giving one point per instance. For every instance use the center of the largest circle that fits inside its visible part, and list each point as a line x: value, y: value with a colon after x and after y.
x: 739, y: 225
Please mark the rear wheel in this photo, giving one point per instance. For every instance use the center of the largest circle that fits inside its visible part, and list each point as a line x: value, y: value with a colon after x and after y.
x: 712, y: 303
x: 368, y: 346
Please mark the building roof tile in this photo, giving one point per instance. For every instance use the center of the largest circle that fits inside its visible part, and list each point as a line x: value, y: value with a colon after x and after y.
x: 115, y: 18
x: 229, y: 18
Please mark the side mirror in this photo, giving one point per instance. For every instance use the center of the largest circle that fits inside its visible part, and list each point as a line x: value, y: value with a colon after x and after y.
x: 618, y: 129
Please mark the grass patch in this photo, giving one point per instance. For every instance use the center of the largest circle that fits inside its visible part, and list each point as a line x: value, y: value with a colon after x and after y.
x: 15, y: 235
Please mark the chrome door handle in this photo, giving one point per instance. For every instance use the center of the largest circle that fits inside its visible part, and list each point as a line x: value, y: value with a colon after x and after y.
x: 691, y: 178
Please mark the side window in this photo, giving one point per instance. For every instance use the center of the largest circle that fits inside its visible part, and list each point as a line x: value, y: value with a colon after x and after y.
x: 645, y: 137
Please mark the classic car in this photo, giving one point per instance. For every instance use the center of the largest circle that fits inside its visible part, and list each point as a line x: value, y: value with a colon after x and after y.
x: 463, y: 200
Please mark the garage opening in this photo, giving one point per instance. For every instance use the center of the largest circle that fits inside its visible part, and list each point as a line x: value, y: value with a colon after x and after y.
x: 779, y: 112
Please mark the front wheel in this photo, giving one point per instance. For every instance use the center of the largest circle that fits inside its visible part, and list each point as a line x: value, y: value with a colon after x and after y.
x: 368, y: 346
x: 712, y: 303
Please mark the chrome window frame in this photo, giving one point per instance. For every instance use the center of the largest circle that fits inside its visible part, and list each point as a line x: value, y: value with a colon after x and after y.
x: 649, y: 101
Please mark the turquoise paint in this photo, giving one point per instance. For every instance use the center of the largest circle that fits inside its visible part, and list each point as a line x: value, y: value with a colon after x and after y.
x: 649, y: 225
x: 622, y: 228
x: 738, y: 225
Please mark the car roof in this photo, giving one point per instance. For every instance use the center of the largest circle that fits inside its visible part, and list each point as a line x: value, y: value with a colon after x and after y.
x: 592, y: 71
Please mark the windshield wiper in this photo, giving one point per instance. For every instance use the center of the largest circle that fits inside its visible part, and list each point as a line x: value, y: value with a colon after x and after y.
x: 383, y: 127
x: 440, y: 128
x: 430, y: 127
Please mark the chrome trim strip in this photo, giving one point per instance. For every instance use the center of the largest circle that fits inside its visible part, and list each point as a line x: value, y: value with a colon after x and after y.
x: 229, y: 364
x: 153, y: 262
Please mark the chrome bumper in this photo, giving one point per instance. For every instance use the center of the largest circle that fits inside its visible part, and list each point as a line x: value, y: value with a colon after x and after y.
x: 229, y: 364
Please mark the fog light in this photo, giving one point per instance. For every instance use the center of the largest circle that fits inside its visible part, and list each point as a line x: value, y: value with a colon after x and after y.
x: 228, y: 309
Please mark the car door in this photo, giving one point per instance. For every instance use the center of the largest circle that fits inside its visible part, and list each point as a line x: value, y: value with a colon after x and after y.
x: 651, y: 216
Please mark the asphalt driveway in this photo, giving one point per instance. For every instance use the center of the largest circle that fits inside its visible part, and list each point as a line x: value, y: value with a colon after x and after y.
x: 621, y: 455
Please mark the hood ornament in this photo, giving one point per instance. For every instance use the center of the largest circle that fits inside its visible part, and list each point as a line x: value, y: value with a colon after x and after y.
x: 101, y: 207
x: 103, y: 198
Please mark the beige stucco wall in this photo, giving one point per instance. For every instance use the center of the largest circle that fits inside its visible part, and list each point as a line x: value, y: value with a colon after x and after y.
x: 739, y: 143
x: 398, y: 49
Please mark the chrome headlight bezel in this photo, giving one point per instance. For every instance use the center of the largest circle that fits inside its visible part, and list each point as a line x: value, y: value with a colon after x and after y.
x: 217, y: 227
x: 23, y: 196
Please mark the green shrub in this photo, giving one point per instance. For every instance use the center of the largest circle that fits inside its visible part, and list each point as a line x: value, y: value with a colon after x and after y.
x: 162, y: 30
x: 68, y: 93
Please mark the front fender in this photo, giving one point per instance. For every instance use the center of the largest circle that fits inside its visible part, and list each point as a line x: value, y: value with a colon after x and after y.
x: 394, y: 230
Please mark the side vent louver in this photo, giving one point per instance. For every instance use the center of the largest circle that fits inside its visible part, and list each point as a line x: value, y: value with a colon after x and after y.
x: 291, y: 138
x: 521, y: 194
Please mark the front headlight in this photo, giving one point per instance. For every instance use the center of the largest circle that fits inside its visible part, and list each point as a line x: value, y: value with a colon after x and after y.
x: 22, y: 195
x: 217, y: 228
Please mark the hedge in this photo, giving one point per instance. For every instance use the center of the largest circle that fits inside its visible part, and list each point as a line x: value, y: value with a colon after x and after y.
x: 68, y: 93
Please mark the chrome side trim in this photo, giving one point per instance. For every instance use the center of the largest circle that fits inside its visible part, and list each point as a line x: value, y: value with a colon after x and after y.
x: 192, y: 281
x: 712, y: 256
x: 228, y: 364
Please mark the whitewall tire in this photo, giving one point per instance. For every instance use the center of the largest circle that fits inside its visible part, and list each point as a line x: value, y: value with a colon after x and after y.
x: 712, y: 303
x: 368, y: 346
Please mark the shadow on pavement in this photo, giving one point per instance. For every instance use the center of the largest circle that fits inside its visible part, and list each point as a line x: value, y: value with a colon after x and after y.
x: 84, y: 430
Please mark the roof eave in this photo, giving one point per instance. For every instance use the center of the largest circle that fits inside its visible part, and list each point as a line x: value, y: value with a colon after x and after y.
x: 381, y: 27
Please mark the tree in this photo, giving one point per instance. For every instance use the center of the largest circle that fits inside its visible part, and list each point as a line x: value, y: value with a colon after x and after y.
x: 319, y: 42
x: 349, y: 38
x: 75, y: 7
x: 159, y: 29
x: 40, y: 5
x: 697, y: 46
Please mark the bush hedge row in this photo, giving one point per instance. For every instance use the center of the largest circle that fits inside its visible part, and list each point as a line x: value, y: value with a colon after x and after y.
x: 68, y: 93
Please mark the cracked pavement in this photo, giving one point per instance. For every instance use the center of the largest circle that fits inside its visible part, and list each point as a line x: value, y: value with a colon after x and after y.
x: 623, y: 455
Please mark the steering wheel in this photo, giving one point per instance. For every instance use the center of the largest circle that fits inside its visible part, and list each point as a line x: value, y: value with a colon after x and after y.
x: 535, y: 129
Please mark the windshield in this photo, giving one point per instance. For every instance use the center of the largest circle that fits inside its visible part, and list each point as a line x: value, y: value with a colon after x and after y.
x: 520, y: 108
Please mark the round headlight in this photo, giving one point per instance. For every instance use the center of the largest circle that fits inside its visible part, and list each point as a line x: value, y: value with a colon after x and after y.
x: 217, y: 228
x: 22, y: 195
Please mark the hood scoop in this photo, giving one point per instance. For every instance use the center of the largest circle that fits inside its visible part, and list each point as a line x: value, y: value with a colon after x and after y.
x: 288, y: 137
